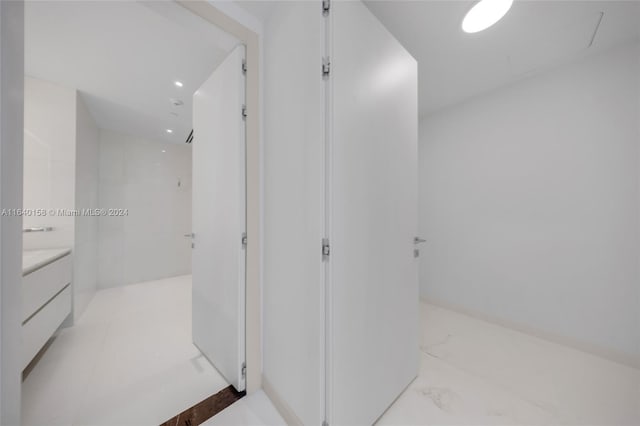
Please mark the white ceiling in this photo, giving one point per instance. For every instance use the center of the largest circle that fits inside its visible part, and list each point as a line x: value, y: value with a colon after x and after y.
x: 534, y: 36
x: 123, y: 57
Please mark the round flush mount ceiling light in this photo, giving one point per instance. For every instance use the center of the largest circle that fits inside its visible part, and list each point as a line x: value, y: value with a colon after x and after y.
x: 484, y: 14
x: 178, y: 83
x: 169, y: 131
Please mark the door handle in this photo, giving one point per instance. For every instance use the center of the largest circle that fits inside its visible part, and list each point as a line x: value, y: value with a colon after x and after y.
x: 418, y: 240
x: 190, y: 235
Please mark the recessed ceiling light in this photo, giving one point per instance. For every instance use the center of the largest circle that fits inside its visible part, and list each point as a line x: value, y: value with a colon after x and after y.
x: 178, y: 83
x: 484, y: 14
x: 164, y: 150
x: 169, y: 131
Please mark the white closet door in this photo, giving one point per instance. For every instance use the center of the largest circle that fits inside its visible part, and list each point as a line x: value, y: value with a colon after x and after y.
x: 219, y: 218
x: 373, y: 334
x: 294, y: 213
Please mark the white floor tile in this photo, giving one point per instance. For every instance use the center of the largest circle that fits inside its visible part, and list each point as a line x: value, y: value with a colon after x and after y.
x: 129, y: 360
x: 445, y: 395
x: 53, y: 389
x: 152, y: 399
x: 252, y: 410
x: 474, y: 373
x: 575, y: 387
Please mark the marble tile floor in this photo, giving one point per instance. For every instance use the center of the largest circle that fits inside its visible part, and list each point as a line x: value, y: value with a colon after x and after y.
x: 476, y: 373
x: 128, y: 360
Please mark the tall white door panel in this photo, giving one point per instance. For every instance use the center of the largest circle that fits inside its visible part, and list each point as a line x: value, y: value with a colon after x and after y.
x: 219, y: 218
x: 373, y: 278
x: 293, y: 297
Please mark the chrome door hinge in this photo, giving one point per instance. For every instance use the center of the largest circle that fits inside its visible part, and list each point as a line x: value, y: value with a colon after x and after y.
x: 244, y: 241
x: 243, y: 370
x: 326, y: 5
x: 326, y: 67
x: 326, y: 249
x: 416, y: 241
x: 244, y: 112
x: 244, y: 67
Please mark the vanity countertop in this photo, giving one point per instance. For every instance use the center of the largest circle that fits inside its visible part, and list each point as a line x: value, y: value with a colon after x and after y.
x: 36, y: 259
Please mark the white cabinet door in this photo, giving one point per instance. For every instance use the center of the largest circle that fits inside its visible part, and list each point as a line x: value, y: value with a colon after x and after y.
x: 219, y: 218
x: 373, y: 305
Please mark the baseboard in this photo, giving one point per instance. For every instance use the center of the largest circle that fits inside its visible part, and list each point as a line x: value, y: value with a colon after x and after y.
x: 283, y: 408
x: 613, y: 356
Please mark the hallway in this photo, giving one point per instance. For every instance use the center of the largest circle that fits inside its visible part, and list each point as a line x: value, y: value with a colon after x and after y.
x: 323, y: 213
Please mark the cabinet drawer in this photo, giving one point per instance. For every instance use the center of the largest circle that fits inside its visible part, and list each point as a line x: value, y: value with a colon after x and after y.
x: 42, y: 284
x: 41, y: 326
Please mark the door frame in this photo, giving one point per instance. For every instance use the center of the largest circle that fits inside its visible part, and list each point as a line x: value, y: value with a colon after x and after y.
x: 231, y: 20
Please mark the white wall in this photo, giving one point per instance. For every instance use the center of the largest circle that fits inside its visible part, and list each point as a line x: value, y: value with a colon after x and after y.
x: 11, y: 131
x: 49, y: 161
x: 149, y: 242
x: 61, y: 172
x: 530, y: 204
x: 85, y: 260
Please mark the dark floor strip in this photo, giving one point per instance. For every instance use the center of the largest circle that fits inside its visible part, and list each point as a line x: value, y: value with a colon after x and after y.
x: 206, y: 409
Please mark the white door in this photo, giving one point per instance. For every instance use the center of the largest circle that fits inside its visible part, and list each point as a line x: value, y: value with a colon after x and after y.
x: 219, y: 219
x: 373, y: 304
x: 293, y: 296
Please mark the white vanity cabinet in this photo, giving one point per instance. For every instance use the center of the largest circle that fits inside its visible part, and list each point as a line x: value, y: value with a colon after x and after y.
x: 46, y: 297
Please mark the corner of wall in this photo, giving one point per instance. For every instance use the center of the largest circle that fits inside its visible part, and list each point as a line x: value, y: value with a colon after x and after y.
x: 85, y: 247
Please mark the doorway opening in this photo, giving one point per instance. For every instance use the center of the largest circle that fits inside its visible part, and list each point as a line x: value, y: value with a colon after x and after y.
x: 109, y: 136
